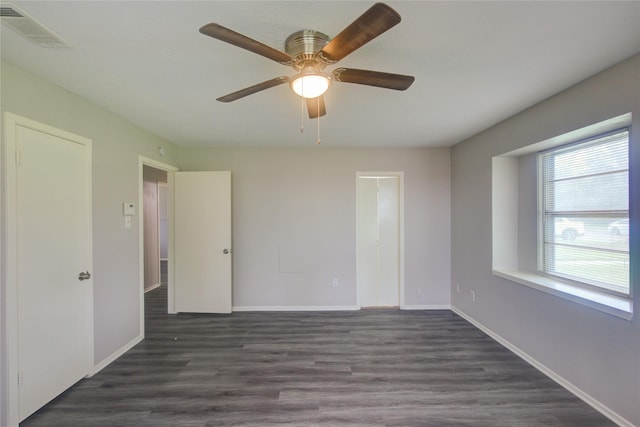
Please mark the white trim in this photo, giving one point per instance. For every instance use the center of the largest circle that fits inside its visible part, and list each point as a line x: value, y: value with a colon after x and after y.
x: 604, y: 126
x: 170, y: 249
x: 296, y: 308
x: 426, y: 307
x: 164, y: 185
x: 142, y: 162
x: 597, y: 300
x: 400, y: 176
x: 116, y: 354
x: 11, y: 122
x: 10, y: 390
x: 582, y: 395
x: 155, y: 285
x: 333, y: 307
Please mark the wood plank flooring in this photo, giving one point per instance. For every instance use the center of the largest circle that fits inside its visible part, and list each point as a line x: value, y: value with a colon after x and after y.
x: 366, y: 368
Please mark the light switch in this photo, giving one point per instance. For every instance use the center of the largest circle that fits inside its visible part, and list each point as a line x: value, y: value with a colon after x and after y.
x: 128, y: 209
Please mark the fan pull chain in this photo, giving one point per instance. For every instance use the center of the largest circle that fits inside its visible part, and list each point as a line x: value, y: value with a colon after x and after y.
x: 301, y: 115
x: 318, y: 141
x: 302, y: 99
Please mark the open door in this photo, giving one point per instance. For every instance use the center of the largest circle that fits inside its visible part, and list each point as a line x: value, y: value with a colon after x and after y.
x: 202, y: 242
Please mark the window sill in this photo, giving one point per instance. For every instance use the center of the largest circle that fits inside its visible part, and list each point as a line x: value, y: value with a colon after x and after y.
x: 614, y: 305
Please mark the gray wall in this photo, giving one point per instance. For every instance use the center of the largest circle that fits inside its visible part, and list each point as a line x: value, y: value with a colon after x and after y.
x: 294, y: 221
x: 116, y: 146
x: 596, y: 352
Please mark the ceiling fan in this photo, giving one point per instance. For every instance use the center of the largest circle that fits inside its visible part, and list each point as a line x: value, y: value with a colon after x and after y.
x: 309, y: 52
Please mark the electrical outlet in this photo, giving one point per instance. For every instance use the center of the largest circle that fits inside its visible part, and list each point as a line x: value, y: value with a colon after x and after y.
x: 335, y: 282
x: 457, y: 288
x: 473, y: 295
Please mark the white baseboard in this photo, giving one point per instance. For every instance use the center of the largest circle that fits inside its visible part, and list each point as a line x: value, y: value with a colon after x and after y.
x: 426, y: 307
x: 106, y: 362
x: 296, y: 308
x: 332, y: 308
x: 585, y: 397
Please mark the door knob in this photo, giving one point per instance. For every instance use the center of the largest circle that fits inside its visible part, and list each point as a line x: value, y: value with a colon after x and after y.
x: 84, y: 276
x: 225, y: 251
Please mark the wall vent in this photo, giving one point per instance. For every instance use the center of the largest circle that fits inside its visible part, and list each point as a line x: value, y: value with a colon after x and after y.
x: 28, y: 27
x: 9, y: 12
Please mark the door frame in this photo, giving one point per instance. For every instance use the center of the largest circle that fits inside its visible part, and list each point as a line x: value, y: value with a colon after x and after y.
x: 384, y: 174
x: 142, y: 162
x: 166, y: 186
x: 11, y: 122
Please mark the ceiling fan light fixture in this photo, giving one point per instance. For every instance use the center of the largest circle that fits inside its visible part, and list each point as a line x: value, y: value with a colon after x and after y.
x: 310, y: 84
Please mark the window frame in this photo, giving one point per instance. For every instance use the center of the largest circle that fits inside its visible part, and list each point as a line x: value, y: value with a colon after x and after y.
x: 593, y: 285
x: 508, y: 256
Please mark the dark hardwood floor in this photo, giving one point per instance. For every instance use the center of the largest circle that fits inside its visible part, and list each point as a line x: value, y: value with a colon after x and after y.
x: 365, y: 368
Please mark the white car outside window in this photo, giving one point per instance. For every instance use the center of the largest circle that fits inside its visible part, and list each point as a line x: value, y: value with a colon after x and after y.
x: 569, y: 229
x: 619, y: 228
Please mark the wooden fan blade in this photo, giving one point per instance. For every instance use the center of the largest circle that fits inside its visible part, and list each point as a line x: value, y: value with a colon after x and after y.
x: 253, y: 89
x: 375, y: 21
x: 315, y: 107
x: 372, y: 78
x: 226, y: 35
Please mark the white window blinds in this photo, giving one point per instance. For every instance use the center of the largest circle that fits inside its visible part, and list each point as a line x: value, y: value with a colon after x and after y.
x: 585, y: 212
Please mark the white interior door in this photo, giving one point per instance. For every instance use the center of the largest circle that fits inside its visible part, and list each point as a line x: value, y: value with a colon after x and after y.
x: 53, y: 241
x: 202, y: 242
x: 378, y: 248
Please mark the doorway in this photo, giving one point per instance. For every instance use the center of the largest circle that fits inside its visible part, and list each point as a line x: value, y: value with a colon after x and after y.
x: 154, y: 219
x: 379, y: 239
x: 152, y: 177
x: 208, y: 232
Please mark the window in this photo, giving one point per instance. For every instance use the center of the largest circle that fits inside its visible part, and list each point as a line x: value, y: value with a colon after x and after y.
x: 584, y: 212
x: 544, y: 194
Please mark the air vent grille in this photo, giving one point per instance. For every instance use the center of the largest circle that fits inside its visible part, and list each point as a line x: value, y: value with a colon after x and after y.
x: 29, y: 28
x: 10, y: 12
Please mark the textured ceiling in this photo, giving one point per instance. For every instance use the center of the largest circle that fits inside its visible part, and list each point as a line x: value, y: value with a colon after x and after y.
x: 475, y: 63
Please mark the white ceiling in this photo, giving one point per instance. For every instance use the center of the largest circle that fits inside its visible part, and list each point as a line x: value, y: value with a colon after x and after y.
x: 475, y: 64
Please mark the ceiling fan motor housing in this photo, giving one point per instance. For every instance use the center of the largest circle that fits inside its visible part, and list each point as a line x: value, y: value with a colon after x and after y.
x: 303, y: 46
